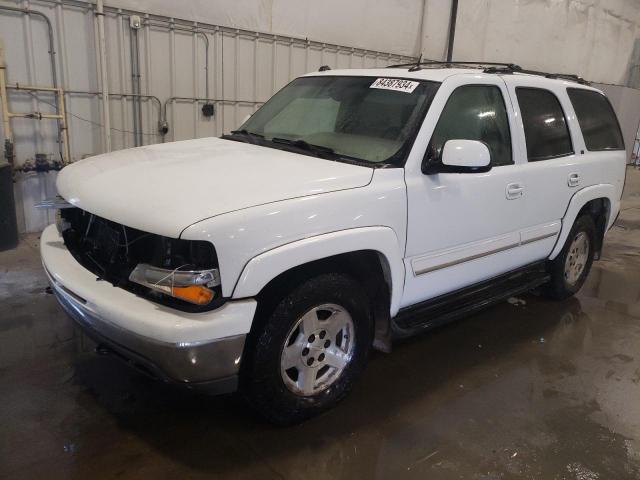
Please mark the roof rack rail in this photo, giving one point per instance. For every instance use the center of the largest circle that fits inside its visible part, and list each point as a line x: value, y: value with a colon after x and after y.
x: 569, y: 76
x: 415, y: 66
x: 564, y: 76
x: 489, y: 67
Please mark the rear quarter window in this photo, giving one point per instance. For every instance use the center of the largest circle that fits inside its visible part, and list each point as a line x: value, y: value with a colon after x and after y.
x: 598, y: 121
x: 545, y: 126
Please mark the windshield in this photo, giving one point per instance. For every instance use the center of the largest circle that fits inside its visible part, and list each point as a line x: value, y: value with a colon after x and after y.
x: 359, y: 118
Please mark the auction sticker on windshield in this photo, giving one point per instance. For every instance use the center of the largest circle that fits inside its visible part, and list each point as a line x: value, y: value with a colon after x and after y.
x: 397, y: 84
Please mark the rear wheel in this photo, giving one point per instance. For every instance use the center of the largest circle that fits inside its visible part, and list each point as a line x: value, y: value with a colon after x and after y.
x: 310, y: 351
x: 570, y: 268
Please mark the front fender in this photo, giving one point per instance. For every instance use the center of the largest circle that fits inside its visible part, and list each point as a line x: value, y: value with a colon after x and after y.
x: 579, y: 200
x: 263, y: 268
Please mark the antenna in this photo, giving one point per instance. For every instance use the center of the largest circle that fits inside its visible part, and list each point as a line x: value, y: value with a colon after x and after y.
x: 416, y: 67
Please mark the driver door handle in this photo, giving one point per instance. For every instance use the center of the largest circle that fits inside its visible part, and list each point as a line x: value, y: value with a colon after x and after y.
x: 515, y: 190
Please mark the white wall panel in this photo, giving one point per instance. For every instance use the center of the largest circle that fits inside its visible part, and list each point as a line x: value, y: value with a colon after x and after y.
x: 593, y: 39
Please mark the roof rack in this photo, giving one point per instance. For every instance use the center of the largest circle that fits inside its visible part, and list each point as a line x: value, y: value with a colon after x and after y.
x: 490, y: 67
x: 561, y: 76
x: 415, y: 66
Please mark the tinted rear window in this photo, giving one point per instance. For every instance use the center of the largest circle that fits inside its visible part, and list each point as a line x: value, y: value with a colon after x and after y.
x: 597, y: 120
x: 545, y: 127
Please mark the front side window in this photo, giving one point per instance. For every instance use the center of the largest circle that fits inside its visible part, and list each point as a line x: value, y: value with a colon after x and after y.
x: 359, y: 118
x: 545, y: 127
x: 475, y: 112
x: 597, y: 120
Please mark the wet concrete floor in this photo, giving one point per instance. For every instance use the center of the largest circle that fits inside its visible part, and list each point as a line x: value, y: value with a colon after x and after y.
x: 527, y: 389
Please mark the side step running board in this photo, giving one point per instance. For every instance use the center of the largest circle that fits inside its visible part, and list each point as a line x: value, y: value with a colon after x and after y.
x: 452, y: 306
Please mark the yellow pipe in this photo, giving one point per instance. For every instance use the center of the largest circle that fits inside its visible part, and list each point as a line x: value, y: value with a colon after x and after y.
x: 62, y: 116
x: 35, y: 115
x: 17, y: 86
x: 6, y: 126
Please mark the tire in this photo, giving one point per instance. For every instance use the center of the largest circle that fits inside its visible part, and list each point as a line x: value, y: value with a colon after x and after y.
x: 292, y: 369
x: 570, y: 268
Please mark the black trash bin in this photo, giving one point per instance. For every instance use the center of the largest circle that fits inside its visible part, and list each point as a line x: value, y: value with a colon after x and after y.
x: 8, y: 222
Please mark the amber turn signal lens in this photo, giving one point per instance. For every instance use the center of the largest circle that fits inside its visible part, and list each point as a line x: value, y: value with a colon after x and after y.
x: 194, y: 293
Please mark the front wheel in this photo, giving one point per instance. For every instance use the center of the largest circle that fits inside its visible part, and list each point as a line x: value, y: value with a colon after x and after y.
x: 570, y: 268
x: 310, y: 350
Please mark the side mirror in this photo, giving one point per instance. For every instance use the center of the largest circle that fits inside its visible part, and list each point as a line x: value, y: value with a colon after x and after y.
x: 461, y: 156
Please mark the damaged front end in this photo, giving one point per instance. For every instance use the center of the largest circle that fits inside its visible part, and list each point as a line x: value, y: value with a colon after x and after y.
x: 181, y: 274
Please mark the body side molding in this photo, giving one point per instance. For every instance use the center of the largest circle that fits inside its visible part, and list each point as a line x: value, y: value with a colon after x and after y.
x: 465, y: 253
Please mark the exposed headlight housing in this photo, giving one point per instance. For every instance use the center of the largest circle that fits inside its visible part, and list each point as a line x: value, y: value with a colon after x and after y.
x: 193, y: 286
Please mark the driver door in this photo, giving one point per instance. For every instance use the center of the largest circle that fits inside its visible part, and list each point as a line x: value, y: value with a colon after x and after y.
x: 464, y: 227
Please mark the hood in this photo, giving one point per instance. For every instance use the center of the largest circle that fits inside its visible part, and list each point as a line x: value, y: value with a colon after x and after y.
x: 164, y: 188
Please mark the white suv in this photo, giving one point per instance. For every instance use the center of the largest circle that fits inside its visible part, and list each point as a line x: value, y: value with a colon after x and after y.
x: 354, y: 207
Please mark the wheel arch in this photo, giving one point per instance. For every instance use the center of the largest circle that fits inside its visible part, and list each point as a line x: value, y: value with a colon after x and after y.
x: 600, y: 203
x: 372, y: 255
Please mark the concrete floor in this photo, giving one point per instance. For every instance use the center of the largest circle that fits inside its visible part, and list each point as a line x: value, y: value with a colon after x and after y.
x: 527, y: 389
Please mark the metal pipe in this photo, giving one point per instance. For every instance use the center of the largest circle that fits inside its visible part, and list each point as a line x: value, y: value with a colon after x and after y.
x: 139, y: 90
x: 60, y: 117
x: 17, y: 86
x: 274, y: 60
x: 452, y: 28
x: 421, y: 31
x: 32, y: 75
x: 64, y: 68
x: 255, y: 69
x: 121, y: 61
x: 102, y: 53
x: 52, y: 51
x: 236, y: 46
x: 147, y: 68
x: 62, y: 42
x: 206, y: 62
x: 135, y: 84
x: 34, y: 115
x: 195, y: 80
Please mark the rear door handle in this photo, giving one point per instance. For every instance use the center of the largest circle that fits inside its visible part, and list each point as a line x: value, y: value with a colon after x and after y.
x: 573, y: 180
x: 515, y: 190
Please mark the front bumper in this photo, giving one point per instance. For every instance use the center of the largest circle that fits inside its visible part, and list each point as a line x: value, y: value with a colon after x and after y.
x: 195, y: 349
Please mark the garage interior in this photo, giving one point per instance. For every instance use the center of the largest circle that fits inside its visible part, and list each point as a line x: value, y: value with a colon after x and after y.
x: 529, y: 388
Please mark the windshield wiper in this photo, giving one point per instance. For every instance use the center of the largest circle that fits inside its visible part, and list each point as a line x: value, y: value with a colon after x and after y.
x: 301, y: 144
x: 248, y: 136
x: 244, y: 131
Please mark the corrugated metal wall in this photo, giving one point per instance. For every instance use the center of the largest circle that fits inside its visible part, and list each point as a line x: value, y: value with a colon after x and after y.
x: 244, y: 69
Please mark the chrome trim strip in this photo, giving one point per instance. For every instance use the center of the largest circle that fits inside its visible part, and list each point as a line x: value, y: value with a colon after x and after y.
x: 465, y: 259
x: 541, y: 237
x: 483, y: 254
